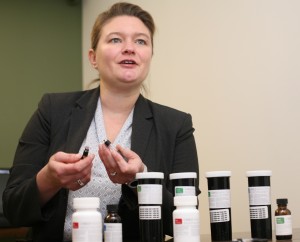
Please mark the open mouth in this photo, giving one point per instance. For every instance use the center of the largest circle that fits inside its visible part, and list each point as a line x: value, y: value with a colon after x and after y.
x: 128, y: 62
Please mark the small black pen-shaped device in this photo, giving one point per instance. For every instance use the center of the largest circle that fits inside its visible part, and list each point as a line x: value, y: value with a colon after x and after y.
x: 110, y: 146
x: 107, y: 142
x: 85, y: 152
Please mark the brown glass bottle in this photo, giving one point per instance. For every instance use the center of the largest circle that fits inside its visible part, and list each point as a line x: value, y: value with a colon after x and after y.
x: 283, y: 220
x: 112, y: 224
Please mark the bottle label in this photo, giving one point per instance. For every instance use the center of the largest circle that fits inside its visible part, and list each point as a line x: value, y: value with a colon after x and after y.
x: 149, y: 193
x: 186, y: 227
x: 112, y: 232
x: 185, y: 191
x: 219, y: 198
x: 150, y: 212
x: 259, y: 195
x: 259, y: 212
x: 86, y: 231
x: 219, y: 215
x: 283, y: 225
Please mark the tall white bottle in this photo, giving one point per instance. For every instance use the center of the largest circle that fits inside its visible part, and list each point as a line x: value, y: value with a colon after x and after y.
x: 186, y: 220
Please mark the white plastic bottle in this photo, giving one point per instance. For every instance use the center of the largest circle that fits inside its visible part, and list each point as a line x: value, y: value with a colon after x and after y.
x: 86, y: 220
x: 186, y: 220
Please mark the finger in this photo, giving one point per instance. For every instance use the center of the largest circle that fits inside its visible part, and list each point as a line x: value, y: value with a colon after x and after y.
x: 107, y: 158
x: 81, y: 182
x: 104, y: 153
x: 120, y: 161
x: 84, y: 176
x: 85, y: 172
x: 124, y: 173
x: 133, y: 162
x: 76, y: 168
x: 66, y: 157
x: 127, y: 153
x: 120, y: 178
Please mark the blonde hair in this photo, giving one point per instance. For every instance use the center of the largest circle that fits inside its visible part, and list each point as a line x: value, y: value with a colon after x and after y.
x: 121, y: 9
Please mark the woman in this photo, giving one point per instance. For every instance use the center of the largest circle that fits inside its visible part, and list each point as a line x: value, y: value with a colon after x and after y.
x: 48, y: 172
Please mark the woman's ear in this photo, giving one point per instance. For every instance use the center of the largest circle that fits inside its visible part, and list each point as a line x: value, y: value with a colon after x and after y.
x: 92, y: 58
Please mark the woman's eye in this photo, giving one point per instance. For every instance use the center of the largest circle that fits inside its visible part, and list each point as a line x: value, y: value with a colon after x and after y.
x: 115, y: 40
x: 141, y: 42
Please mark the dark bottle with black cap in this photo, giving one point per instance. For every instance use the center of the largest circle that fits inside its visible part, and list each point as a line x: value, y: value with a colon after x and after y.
x: 259, y: 191
x: 219, y: 205
x: 283, y: 220
x: 150, y: 201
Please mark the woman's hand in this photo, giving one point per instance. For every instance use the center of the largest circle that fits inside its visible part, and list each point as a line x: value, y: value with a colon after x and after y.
x: 63, y: 171
x: 121, y: 164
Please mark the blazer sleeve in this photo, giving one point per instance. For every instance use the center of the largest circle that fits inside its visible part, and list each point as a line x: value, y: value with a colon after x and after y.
x: 21, y: 198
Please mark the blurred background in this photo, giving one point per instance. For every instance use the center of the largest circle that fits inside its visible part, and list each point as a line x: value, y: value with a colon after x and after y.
x: 234, y: 65
x: 40, y: 46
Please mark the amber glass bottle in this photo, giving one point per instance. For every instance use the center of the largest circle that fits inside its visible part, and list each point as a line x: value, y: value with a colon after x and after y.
x: 283, y: 220
x: 112, y: 225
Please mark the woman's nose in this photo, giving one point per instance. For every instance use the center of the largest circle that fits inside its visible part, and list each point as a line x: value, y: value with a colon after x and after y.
x: 128, y: 51
x: 128, y: 48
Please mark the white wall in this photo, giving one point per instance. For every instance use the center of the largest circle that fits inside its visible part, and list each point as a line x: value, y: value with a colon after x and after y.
x: 234, y: 65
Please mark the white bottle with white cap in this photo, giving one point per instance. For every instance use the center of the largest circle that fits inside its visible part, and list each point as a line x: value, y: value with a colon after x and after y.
x: 186, y: 220
x: 86, y: 220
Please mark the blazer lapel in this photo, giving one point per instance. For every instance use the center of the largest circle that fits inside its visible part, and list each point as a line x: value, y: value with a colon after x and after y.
x: 81, y: 118
x: 141, y: 126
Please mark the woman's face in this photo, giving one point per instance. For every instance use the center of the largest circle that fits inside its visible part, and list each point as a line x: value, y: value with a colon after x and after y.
x: 124, y: 52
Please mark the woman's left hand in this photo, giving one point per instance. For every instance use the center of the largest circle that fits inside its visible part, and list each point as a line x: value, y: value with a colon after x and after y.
x: 121, y: 164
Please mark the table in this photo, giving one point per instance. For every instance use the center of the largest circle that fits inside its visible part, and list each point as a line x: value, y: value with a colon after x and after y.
x: 247, y: 235
x: 20, y: 232
x: 12, y: 234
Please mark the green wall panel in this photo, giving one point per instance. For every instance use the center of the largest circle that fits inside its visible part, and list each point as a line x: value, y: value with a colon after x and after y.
x: 40, y: 51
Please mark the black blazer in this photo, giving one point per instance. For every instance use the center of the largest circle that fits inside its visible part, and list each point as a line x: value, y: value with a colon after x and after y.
x: 161, y: 136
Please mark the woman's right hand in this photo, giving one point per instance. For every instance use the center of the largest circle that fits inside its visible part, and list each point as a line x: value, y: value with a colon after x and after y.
x: 64, y: 170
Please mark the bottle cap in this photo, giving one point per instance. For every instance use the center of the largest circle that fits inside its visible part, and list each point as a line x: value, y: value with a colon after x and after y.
x: 211, y: 174
x: 283, y: 201
x: 112, y: 207
x: 149, y: 175
x: 183, y: 175
x: 185, y: 201
x: 86, y: 202
x: 258, y: 173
